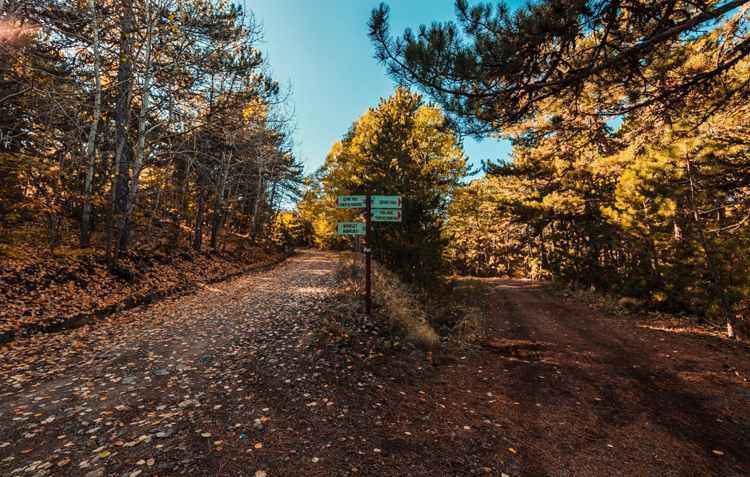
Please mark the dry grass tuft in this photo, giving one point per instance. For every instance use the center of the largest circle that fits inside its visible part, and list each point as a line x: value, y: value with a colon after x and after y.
x: 456, y: 310
x: 396, y: 303
x: 403, y: 309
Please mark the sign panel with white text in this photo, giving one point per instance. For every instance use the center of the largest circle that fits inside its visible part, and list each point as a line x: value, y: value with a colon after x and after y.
x: 350, y: 228
x: 386, y: 201
x: 386, y: 215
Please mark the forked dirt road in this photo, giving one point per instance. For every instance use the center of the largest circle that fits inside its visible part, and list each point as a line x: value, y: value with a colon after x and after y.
x: 261, y: 375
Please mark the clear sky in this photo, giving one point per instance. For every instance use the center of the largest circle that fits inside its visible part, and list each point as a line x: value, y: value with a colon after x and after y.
x: 322, y: 48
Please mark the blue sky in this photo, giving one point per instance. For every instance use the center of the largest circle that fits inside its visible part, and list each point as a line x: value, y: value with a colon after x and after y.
x: 322, y: 48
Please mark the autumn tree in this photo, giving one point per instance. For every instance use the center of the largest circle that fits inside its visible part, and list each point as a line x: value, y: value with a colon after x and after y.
x: 657, y: 210
x: 402, y: 147
x: 495, y: 67
x: 126, y: 122
x: 654, y: 210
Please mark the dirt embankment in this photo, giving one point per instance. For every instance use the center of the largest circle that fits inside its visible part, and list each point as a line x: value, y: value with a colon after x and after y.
x: 49, y: 295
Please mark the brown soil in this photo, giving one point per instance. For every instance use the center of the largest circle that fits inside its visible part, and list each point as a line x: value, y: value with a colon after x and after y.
x: 290, y: 386
x: 587, y: 394
x: 41, y: 293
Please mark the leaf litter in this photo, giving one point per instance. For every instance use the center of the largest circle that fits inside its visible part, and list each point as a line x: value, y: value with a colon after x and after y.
x: 271, y: 373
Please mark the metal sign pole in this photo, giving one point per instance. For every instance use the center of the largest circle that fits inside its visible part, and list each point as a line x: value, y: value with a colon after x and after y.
x: 387, y: 209
x: 368, y: 251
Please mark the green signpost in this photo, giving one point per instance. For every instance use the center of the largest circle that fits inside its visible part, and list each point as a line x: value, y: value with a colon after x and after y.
x: 386, y: 202
x: 351, y: 228
x: 351, y: 201
x: 386, y: 215
x: 379, y: 208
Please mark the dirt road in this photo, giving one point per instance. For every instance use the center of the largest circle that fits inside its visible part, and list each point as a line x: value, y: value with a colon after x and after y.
x: 156, y: 390
x: 595, y: 395
x: 260, y: 375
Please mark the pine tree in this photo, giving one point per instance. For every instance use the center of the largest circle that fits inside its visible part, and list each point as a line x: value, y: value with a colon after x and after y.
x: 401, y: 147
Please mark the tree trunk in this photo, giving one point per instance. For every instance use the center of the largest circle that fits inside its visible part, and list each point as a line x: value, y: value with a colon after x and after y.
x: 258, y: 197
x: 153, y: 214
x: 121, y: 176
x: 272, y: 199
x: 198, y: 238
x: 230, y: 217
x: 216, y: 222
x: 184, y: 182
x: 123, y: 231
x: 730, y: 323
x: 90, y: 146
x: 155, y: 209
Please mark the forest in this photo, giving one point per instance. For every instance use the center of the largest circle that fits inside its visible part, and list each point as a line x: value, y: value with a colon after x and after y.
x: 157, y: 124
x: 176, y: 297
x: 132, y: 123
x: 630, y: 167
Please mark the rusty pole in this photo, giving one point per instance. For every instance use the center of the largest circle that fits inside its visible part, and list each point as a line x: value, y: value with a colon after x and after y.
x: 368, y: 252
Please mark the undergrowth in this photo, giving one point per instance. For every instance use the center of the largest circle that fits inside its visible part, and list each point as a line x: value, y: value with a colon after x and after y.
x: 455, y: 308
x: 403, y: 309
x: 392, y: 299
x: 631, y: 308
x: 451, y: 310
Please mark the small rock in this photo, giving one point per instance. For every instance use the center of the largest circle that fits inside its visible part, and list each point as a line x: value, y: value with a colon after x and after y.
x: 189, y: 403
x: 207, y: 357
x: 129, y: 380
x: 96, y: 473
x: 161, y: 372
x: 180, y: 367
